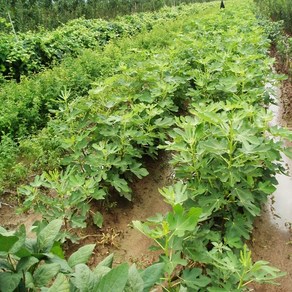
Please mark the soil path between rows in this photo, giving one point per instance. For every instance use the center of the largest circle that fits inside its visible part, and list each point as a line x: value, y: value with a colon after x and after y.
x: 129, y: 244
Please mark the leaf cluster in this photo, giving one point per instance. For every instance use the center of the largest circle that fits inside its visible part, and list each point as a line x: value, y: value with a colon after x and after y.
x: 38, y: 264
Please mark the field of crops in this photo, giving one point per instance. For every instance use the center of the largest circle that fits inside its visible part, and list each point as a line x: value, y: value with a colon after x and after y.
x: 193, y: 85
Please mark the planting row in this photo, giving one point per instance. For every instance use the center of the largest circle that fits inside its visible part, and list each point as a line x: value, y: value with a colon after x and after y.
x: 27, y: 53
x: 26, y: 106
x: 224, y: 167
x: 128, y: 114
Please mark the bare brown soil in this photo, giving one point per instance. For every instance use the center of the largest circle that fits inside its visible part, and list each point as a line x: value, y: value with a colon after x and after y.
x: 271, y: 244
x: 286, y: 101
x: 10, y: 220
x: 117, y: 235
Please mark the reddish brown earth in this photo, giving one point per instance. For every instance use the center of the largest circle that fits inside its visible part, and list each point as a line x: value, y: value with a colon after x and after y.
x: 270, y: 243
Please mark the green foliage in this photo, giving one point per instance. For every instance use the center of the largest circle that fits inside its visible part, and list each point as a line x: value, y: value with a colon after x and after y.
x: 225, y: 163
x: 284, y: 48
x: 129, y: 113
x: 47, y: 91
x: 194, y: 254
x: 38, y: 264
x: 28, y: 53
x: 26, y: 106
x: 217, y: 152
x: 8, y: 154
x: 169, y: 232
x: 69, y: 197
x: 280, y: 40
x: 277, y: 10
x: 38, y: 14
x: 201, y: 96
x: 4, y: 25
x: 27, y: 262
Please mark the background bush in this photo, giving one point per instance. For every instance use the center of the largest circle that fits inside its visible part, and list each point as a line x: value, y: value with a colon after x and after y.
x: 34, y: 14
x: 278, y: 10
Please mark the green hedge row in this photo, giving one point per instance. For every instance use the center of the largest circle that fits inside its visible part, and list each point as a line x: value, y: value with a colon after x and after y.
x: 278, y: 10
x: 27, y: 53
x: 26, y: 106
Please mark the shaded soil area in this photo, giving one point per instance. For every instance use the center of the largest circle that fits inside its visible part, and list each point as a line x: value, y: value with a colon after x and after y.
x: 10, y: 220
x: 117, y: 235
x: 270, y: 243
x: 286, y: 101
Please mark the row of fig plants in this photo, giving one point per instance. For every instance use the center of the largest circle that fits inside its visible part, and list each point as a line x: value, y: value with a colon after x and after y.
x: 225, y: 161
x: 205, y: 94
x: 29, y: 105
x: 224, y: 164
x: 104, y: 136
x: 23, y: 54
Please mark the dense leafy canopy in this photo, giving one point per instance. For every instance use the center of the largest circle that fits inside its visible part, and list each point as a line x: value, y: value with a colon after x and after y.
x: 200, y: 93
